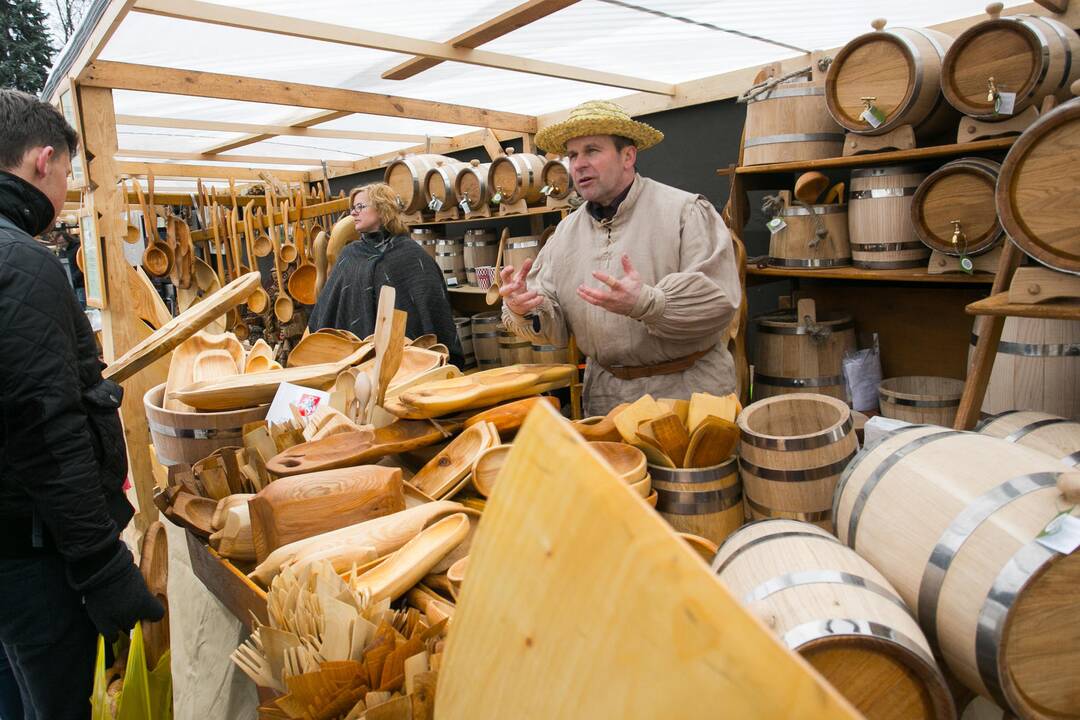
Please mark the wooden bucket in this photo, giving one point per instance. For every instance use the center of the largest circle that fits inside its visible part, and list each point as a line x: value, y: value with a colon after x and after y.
x: 826, y: 226
x: 471, y: 186
x: 1056, y: 436
x: 516, y: 176
x: 1036, y: 190
x: 961, y: 190
x: 406, y: 176
x: 465, y: 337
x: 790, y: 124
x: 1030, y: 56
x: 439, y: 185
x: 921, y: 399
x: 793, y: 355
x: 481, y: 248
x: 549, y: 354
x: 702, y: 501
x: 952, y: 520
x: 485, y: 337
x: 792, y: 450
x: 187, y: 437
x: 450, y: 256
x: 555, y: 176
x: 879, y: 218
x: 1037, y: 367
x: 901, y: 69
x: 519, y: 249
x: 830, y: 606
x: 513, y: 350
x: 425, y: 238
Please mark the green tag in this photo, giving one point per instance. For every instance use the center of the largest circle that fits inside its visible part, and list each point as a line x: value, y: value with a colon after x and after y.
x: 776, y: 225
x: 873, y: 116
x: 966, y: 265
x: 496, y: 198
x: 1062, y: 534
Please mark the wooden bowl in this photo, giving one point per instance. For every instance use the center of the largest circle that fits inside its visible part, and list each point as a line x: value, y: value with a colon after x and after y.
x: 651, y: 500
x: 626, y: 460
x: 642, y: 487
x: 486, y: 468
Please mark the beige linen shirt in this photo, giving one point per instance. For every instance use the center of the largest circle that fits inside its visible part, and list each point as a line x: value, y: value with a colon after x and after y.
x: 682, y: 250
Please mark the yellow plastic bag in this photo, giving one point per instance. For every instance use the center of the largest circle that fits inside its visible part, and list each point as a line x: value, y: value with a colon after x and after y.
x: 146, y: 695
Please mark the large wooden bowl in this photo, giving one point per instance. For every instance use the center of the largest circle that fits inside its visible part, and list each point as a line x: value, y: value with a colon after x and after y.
x: 626, y: 460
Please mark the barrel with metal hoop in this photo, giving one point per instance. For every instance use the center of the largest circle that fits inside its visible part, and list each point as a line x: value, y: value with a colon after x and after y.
x: 556, y: 179
x: 485, y: 337
x: 953, y: 209
x: 425, y: 238
x: 481, y: 248
x: 187, y: 437
x: 549, y: 354
x: 513, y: 350
x: 1037, y: 367
x: 702, y: 501
x: 792, y: 450
x: 921, y: 399
x: 794, y: 354
x: 516, y: 176
x: 813, y: 236
x: 450, y: 256
x: 1028, y: 56
x: 833, y: 608
x: 1056, y: 436
x: 465, y: 337
x: 406, y: 174
x: 521, y: 248
x: 789, y: 123
x: 439, y: 190
x: 879, y: 218
x: 471, y: 186
x: 977, y: 537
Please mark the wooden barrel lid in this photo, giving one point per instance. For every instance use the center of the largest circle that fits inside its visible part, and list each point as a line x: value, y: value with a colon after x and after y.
x: 877, y: 65
x: 556, y: 176
x: 436, y: 185
x: 960, y: 191
x: 504, y: 176
x: 472, y: 181
x: 1006, y: 49
x: 399, y: 176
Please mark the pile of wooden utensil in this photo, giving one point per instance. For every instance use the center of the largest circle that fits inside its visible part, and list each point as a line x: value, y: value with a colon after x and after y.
x: 695, y: 433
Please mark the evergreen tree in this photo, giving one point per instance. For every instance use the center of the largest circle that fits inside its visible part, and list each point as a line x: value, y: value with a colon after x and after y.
x: 25, y: 48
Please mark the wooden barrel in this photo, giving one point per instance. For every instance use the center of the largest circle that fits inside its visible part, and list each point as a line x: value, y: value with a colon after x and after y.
x: 464, y: 333
x: 703, y: 501
x: 830, y: 606
x: 439, y: 185
x: 556, y: 179
x: 1029, y: 56
x: 789, y: 124
x: 953, y: 520
x: 1037, y: 367
x: 406, y: 176
x: 814, y: 236
x: 1056, y: 436
x: 519, y: 249
x: 959, y: 191
x: 425, y: 238
x: 794, y: 356
x: 516, y: 176
x: 921, y: 399
x: 1036, y: 190
x: 513, y: 350
x: 481, y: 248
x: 549, y: 354
x: 901, y: 69
x: 450, y: 255
x: 485, y: 336
x: 792, y: 449
x: 187, y: 437
x: 471, y: 186
x: 879, y: 218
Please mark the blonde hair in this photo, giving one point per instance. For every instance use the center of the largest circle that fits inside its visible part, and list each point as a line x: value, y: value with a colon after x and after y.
x: 385, y: 202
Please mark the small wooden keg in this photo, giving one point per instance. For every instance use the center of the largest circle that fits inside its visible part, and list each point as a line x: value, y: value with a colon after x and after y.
x: 513, y: 350
x: 425, y: 238
x: 1029, y: 56
x: 481, y: 248
x: 485, y: 337
x: 187, y: 437
x: 921, y: 399
x: 814, y: 236
x: 879, y: 218
x: 406, y: 175
x: 953, y: 520
x: 465, y: 337
x: 795, y: 354
x: 556, y: 179
x: 789, y: 124
x: 900, y: 69
x: 1037, y: 367
x: 830, y: 606
x: 519, y: 249
x: 471, y: 186
x: 703, y: 501
x: 450, y: 255
x: 550, y: 354
x: 1056, y: 436
x: 439, y: 190
x: 516, y: 176
x: 953, y: 209
x: 792, y: 451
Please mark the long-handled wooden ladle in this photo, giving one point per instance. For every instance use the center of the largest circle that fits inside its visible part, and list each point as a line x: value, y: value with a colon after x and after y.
x: 288, y: 249
x: 492, y: 295
x: 158, y: 257
x: 258, y: 300
x: 283, y: 304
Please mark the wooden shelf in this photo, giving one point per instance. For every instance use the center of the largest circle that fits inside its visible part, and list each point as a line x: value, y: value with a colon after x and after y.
x: 467, y: 290
x: 494, y: 218
x: 918, y: 275
x: 999, y: 305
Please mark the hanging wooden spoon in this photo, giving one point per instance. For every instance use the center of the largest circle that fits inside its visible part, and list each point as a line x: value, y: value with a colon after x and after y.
x: 158, y: 257
x: 302, y: 281
x: 288, y: 249
x: 258, y: 301
x: 283, y: 304
x: 492, y: 295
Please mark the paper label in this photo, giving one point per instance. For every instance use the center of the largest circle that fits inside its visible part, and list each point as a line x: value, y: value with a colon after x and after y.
x: 451, y: 281
x: 776, y: 225
x: 307, y: 400
x: 1062, y: 534
x: 873, y: 116
x: 435, y: 204
x: 1004, y: 103
x: 464, y: 205
x: 546, y: 190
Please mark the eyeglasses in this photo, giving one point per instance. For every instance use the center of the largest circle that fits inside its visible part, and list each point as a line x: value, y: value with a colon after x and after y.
x: 359, y: 208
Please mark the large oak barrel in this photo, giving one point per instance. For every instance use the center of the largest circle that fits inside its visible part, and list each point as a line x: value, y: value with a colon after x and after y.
x: 795, y: 355
x: 792, y: 450
x: 481, y: 248
x: 901, y: 69
x: 879, y: 218
x: 953, y: 520
x: 830, y: 606
x: 1036, y: 190
x: 187, y: 437
x: 464, y: 333
x: 439, y: 189
x: 953, y: 209
x: 1030, y: 56
x: 471, y: 186
x: 513, y: 350
x: 450, y: 256
x: 921, y: 399
x: 702, y: 501
x: 516, y: 176
x: 556, y: 179
x: 485, y: 336
x: 1056, y: 436
x: 814, y: 236
x: 406, y: 175
x: 790, y: 123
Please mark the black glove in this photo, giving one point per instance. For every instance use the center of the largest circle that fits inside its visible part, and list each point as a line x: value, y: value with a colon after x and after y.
x: 116, y: 596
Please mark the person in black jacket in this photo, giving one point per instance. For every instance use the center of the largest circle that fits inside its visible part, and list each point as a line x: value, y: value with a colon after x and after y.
x: 65, y: 575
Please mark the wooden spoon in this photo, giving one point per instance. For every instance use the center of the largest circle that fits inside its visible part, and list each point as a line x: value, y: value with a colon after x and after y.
x: 288, y: 250
x: 303, y: 280
x: 158, y: 257
x: 492, y: 295
x: 258, y: 300
x: 389, y: 341
x: 809, y: 186
x: 261, y: 243
x: 283, y: 304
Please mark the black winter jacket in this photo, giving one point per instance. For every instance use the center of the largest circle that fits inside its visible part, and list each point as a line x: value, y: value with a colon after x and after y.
x: 62, y: 453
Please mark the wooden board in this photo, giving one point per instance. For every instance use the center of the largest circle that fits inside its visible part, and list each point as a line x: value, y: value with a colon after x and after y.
x: 240, y: 596
x: 557, y: 632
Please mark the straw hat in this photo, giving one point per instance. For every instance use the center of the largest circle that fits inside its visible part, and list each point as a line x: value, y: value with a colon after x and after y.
x: 597, y: 117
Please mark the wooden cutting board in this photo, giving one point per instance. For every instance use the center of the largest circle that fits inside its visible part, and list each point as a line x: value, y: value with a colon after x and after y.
x: 479, y: 390
x: 635, y: 628
x: 347, y: 449
x: 300, y: 506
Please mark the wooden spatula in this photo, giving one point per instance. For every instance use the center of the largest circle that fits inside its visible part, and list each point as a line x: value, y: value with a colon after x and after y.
x: 809, y: 186
x: 389, y: 341
x: 712, y: 443
x: 671, y: 436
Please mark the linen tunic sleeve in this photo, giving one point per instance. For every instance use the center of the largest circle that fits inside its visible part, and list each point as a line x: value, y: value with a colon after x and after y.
x: 702, y: 298
x: 550, y: 328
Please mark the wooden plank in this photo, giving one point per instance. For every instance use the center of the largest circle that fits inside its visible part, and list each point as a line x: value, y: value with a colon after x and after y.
x: 269, y: 130
x: 319, y: 117
x: 513, y: 19
x: 214, y: 157
x: 102, y: 32
x: 217, y: 172
x: 636, y: 627
x: 147, y: 78
x: 882, y: 158
x: 918, y: 275
x: 999, y: 306
x: 465, y: 141
x: 237, y: 593
x: 235, y: 17
x: 491, y: 144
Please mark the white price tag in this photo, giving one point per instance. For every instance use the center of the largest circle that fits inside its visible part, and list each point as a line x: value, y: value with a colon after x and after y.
x: 1005, y: 103
x: 776, y: 225
x: 464, y: 205
x: 451, y: 281
x: 873, y: 116
x: 1062, y: 534
x: 435, y: 204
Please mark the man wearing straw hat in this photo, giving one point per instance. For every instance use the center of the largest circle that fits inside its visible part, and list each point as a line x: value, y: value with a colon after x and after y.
x: 643, y: 274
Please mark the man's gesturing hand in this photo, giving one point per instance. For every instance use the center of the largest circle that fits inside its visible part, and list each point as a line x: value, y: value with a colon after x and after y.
x: 515, y: 294
x: 624, y: 292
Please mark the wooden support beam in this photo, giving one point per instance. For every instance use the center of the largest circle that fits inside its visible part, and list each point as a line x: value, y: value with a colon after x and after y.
x: 216, y: 172
x: 271, y: 130
x: 146, y: 78
x: 319, y: 117
x: 332, y: 33
x: 512, y: 19
x: 465, y: 141
x: 491, y: 144
x: 253, y: 159
x: 102, y: 32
